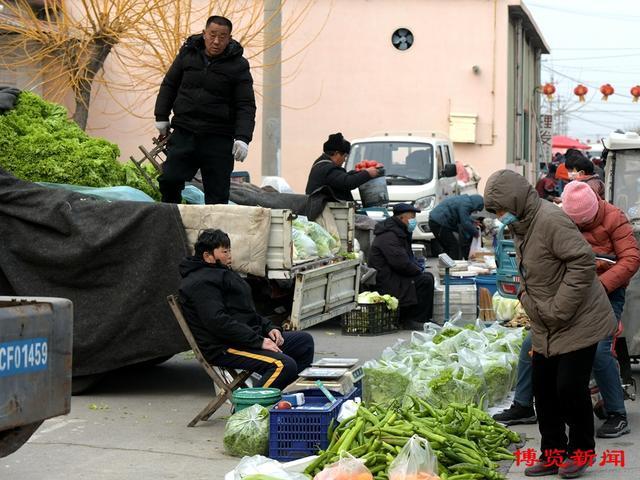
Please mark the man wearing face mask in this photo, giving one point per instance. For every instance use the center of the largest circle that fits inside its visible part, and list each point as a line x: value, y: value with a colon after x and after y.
x: 218, y: 306
x: 398, y: 272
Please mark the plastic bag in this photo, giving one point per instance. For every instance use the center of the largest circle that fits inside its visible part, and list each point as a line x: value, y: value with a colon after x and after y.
x: 476, y: 244
x: 247, y: 432
x: 263, y: 468
x: 505, y: 308
x: 348, y: 409
x: 416, y: 461
x: 384, y: 382
x: 347, y: 468
x: 303, y: 246
x: 325, y: 242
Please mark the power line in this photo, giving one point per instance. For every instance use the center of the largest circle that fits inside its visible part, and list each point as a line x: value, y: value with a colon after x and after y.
x: 603, y: 57
x: 600, y: 15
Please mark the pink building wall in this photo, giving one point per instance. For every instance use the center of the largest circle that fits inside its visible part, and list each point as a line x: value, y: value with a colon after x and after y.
x: 351, y: 79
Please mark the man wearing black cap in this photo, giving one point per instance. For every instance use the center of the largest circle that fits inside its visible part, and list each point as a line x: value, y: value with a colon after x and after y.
x: 328, y: 171
x: 398, y: 272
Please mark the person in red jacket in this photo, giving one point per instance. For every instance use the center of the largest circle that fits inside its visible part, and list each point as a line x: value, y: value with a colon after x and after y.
x: 610, y: 235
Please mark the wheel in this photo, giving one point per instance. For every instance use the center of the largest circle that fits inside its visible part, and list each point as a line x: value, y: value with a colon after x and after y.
x: 11, y: 440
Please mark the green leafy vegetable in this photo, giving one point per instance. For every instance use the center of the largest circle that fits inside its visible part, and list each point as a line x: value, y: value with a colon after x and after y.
x: 247, y: 432
x: 39, y: 143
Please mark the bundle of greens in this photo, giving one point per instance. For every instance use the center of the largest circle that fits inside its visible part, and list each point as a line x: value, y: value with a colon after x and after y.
x: 368, y: 298
x: 39, y: 143
x: 247, y: 432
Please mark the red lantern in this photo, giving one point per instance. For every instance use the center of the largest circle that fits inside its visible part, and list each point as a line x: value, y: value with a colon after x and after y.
x: 581, y: 91
x: 635, y: 93
x: 549, y: 89
x: 606, y: 90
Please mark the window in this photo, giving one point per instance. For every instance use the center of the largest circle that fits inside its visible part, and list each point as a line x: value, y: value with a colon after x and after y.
x: 440, y: 159
x: 447, y: 156
x: 405, y: 163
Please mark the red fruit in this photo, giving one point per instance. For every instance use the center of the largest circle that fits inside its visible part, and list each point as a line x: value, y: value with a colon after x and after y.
x: 283, y: 405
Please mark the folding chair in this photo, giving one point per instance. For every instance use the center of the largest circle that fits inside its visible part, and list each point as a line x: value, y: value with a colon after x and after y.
x: 219, y: 376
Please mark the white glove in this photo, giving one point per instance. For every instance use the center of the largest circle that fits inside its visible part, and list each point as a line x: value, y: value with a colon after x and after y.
x: 240, y: 150
x: 163, y: 127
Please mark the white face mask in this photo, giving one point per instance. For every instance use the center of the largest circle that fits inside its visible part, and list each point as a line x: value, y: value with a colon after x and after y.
x: 573, y: 175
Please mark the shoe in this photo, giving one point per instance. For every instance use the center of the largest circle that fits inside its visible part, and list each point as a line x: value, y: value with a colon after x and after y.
x: 571, y: 469
x: 539, y: 469
x: 516, y: 414
x: 615, y: 426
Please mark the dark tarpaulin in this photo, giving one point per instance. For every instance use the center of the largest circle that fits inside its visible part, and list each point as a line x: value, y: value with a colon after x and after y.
x: 309, y: 205
x: 116, y: 261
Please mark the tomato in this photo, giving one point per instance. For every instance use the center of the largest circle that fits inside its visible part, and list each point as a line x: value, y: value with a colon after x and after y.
x: 283, y: 405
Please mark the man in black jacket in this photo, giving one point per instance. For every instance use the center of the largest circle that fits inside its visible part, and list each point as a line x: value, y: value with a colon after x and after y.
x: 327, y: 170
x: 210, y: 90
x: 398, y: 272
x: 219, y: 309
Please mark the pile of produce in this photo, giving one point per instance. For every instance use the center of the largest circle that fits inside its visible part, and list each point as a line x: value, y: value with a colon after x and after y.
x: 364, y: 164
x: 39, y: 143
x: 470, y: 365
x: 374, y: 297
x: 247, y: 432
x: 466, y: 440
x: 311, y: 240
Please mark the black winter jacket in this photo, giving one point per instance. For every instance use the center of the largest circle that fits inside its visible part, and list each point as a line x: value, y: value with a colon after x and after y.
x: 219, y: 308
x: 326, y: 173
x: 216, y: 98
x: 392, y: 257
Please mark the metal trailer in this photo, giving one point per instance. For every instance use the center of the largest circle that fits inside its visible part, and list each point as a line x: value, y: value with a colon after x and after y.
x: 35, y: 365
x: 324, y: 288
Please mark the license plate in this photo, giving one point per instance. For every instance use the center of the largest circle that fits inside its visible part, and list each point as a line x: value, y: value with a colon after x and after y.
x: 23, y: 356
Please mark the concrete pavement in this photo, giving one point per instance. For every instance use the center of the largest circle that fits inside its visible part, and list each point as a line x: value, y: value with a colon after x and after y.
x: 133, y: 426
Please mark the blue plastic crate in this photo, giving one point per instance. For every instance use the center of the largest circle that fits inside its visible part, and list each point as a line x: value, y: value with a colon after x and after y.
x: 316, y: 396
x: 302, y: 431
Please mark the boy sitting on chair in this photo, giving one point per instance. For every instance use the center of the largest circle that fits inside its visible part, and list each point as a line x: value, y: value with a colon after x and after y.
x: 219, y: 309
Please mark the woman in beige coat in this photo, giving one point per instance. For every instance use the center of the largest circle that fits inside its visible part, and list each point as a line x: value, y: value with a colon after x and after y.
x: 569, y: 313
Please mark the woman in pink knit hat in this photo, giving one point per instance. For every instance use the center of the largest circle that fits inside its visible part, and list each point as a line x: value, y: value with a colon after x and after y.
x: 610, y: 235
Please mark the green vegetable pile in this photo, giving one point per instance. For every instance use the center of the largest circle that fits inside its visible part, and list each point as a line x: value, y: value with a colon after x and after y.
x: 469, y: 364
x: 39, y: 143
x: 466, y: 440
x: 375, y: 297
x: 326, y: 244
x: 247, y: 432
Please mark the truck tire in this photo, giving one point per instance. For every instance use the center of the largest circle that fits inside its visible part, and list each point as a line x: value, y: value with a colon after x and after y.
x: 12, y: 439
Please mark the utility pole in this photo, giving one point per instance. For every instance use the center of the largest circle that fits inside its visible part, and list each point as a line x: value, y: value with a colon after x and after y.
x: 272, y: 89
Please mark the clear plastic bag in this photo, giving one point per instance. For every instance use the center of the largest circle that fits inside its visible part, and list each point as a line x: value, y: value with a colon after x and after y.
x: 253, y: 467
x: 303, y: 247
x: 327, y: 245
x: 416, y: 461
x: 385, y: 381
x: 347, y: 468
x: 247, y: 432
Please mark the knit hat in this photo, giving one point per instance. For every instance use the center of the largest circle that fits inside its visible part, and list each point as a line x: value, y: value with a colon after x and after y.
x: 337, y: 143
x: 580, y: 202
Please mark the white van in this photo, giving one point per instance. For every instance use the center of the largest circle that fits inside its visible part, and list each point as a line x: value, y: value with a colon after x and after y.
x: 420, y: 170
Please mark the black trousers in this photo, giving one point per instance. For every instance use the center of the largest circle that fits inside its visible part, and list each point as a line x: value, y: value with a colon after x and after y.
x: 423, y: 310
x: 188, y: 152
x: 456, y: 247
x: 561, y: 391
x: 277, y: 370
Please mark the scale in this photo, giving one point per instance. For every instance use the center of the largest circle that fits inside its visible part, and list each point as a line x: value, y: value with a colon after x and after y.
x: 337, y: 374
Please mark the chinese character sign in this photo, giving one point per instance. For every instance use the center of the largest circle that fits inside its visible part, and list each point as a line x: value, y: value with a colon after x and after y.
x: 546, y: 136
